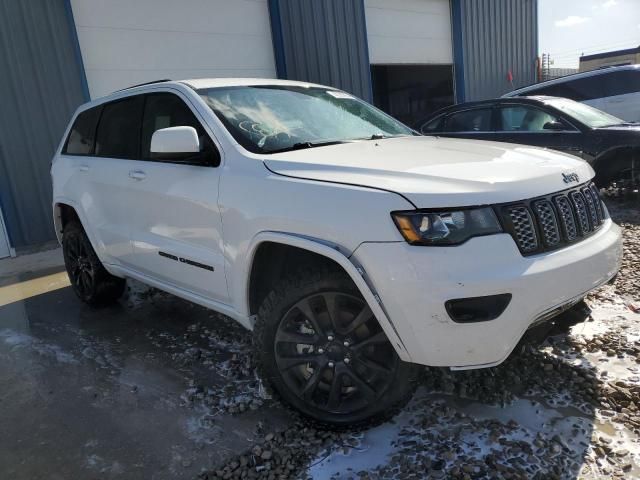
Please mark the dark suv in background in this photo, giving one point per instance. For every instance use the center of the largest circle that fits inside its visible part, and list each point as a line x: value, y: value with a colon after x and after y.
x: 608, y: 143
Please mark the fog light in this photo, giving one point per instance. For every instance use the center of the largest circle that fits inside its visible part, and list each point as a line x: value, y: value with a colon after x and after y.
x: 477, y: 309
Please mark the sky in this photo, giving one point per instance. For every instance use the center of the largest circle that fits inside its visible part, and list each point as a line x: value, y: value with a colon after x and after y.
x: 569, y: 28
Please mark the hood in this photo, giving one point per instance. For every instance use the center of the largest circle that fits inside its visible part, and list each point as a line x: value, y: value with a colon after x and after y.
x: 436, y: 172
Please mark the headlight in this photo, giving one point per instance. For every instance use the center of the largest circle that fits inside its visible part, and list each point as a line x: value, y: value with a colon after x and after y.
x: 446, y: 227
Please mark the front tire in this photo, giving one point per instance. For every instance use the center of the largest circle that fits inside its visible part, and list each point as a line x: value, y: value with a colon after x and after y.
x: 322, y: 350
x: 89, y: 279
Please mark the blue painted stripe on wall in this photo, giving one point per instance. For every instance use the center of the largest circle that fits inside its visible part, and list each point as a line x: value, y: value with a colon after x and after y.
x: 458, y: 53
x: 366, y: 53
x: 78, y: 52
x: 277, y: 38
x: 5, y: 211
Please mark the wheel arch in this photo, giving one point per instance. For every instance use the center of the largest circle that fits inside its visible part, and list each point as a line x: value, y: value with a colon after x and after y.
x: 266, y: 243
x: 65, y: 210
x: 63, y: 213
x: 610, y: 161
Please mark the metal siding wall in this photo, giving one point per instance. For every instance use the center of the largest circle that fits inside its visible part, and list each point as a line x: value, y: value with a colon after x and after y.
x: 498, y: 36
x: 41, y: 86
x: 323, y: 41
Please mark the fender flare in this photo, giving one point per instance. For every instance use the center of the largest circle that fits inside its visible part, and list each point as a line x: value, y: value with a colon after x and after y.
x: 97, y: 246
x: 57, y: 220
x: 333, y: 253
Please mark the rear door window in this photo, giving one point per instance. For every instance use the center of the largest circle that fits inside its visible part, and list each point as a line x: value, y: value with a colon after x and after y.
x: 81, y: 139
x: 119, y: 129
x: 476, y: 120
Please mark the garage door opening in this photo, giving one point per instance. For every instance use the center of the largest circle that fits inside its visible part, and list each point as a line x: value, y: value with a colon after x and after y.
x: 411, y: 93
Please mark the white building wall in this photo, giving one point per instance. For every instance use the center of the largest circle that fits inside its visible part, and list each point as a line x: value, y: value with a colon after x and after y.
x: 125, y: 42
x: 409, y: 31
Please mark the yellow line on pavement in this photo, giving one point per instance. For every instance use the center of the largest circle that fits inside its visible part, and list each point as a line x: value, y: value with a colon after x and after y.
x: 30, y: 288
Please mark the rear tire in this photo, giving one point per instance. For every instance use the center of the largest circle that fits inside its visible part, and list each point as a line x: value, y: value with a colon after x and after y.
x: 320, y: 348
x: 90, y: 280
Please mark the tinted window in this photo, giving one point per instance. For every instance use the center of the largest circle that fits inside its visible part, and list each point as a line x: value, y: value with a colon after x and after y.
x: 81, y: 138
x: 163, y: 110
x: 433, y: 126
x: 520, y: 118
x: 477, y: 120
x: 579, y: 89
x: 119, y: 129
x: 621, y: 83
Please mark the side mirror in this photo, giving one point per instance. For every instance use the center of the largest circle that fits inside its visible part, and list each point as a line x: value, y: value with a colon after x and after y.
x: 175, y: 142
x: 556, y: 126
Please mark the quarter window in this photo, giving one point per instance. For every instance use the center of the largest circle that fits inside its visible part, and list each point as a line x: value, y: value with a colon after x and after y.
x: 433, y: 126
x: 164, y: 110
x: 477, y: 120
x: 119, y: 129
x: 523, y: 119
x: 81, y: 138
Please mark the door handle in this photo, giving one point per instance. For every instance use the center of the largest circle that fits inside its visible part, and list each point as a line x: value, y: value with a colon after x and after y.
x: 84, y: 168
x: 137, y: 174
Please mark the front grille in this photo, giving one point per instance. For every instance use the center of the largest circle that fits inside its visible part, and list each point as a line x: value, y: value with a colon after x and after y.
x: 580, y: 208
x: 547, y: 222
x: 524, y: 229
x: 553, y: 221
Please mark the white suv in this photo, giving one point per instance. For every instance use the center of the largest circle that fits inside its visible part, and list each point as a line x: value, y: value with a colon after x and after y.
x: 352, y: 247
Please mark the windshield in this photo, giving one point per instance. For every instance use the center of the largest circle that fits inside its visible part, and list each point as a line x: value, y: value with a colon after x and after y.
x: 592, y: 117
x: 269, y: 118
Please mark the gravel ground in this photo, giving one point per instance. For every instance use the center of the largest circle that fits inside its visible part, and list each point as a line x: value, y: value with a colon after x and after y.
x: 567, y: 409
x: 158, y: 387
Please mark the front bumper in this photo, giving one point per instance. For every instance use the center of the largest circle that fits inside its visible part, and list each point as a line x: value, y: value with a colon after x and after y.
x: 413, y: 284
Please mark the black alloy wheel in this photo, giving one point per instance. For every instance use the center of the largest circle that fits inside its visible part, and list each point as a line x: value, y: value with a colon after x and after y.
x: 80, y: 270
x: 332, y: 353
x: 325, y: 353
x: 89, y: 279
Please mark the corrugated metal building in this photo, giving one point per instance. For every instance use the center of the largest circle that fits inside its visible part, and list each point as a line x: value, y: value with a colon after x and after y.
x: 409, y: 57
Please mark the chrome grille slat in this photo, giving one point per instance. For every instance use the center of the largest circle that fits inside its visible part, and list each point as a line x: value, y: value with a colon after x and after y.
x: 552, y: 221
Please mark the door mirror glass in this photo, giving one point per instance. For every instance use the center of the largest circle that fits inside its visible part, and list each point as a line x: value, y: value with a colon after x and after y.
x: 555, y: 126
x: 174, y: 142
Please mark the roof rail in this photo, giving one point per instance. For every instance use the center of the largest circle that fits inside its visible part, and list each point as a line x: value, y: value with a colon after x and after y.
x: 145, y: 83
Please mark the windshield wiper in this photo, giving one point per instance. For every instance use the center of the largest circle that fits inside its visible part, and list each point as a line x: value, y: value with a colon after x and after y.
x: 305, y: 145
x: 381, y: 136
